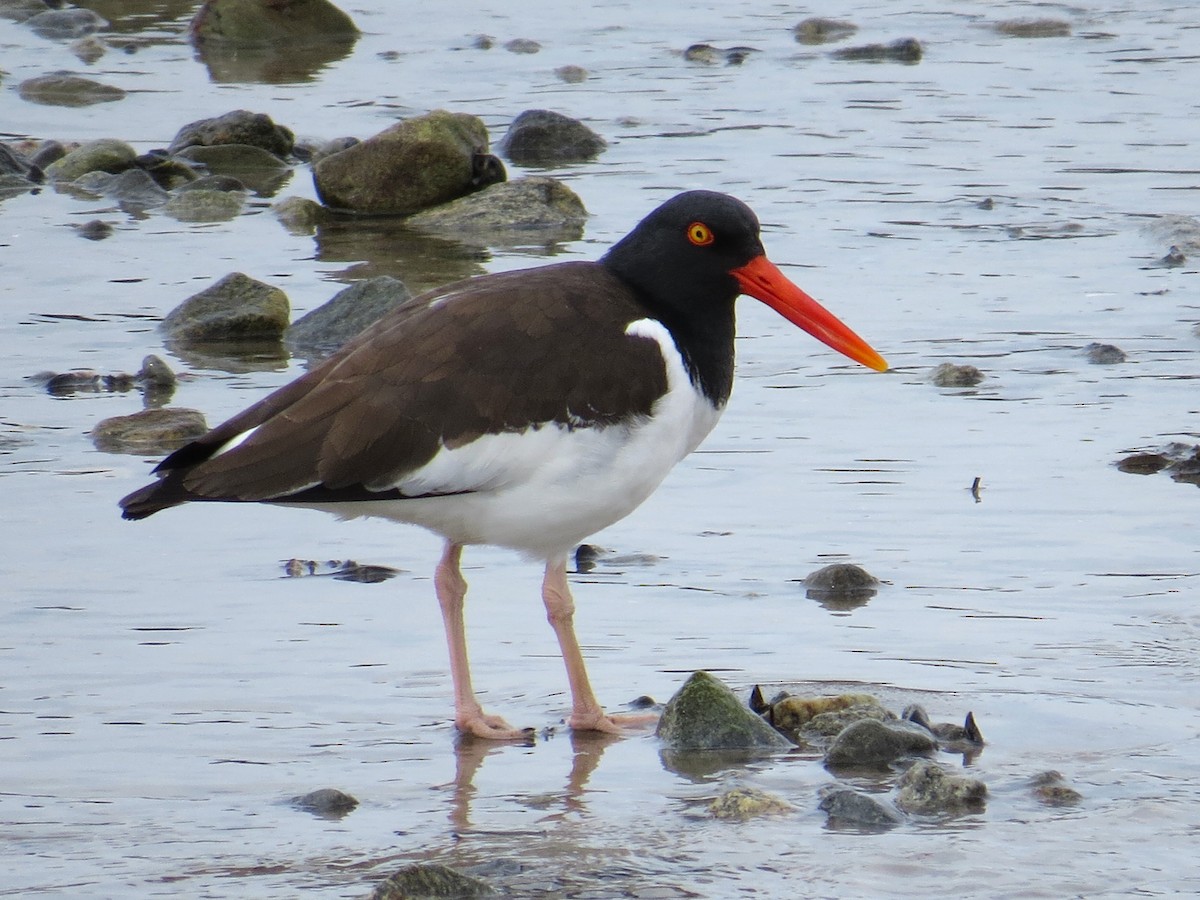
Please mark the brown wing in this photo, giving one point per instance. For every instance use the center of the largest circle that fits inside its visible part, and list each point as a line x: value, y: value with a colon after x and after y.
x: 498, y: 353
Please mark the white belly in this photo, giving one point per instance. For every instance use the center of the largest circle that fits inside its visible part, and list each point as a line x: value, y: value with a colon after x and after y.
x: 545, y: 490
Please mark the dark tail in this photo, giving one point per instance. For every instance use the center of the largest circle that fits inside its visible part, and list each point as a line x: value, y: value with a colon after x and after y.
x: 162, y: 494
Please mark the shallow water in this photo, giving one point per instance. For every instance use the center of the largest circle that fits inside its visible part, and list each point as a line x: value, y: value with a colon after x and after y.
x: 164, y: 690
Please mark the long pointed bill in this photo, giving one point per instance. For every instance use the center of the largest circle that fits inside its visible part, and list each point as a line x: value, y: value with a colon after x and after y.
x: 762, y: 280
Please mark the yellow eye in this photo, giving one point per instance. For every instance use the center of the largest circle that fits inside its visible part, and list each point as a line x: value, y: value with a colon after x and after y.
x: 700, y: 234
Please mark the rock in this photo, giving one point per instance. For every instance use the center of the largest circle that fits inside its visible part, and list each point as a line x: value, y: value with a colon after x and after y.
x: 237, y: 127
x: 844, y: 582
x: 104, y: 155
x: 794, y: 713
x: 423, y: 881
x: 253, y: 23
x: 66, y: 24
x: 65, y: 89
x: 132, y: 188
x: 868, y: 744
x: 95, y: 230
x: 46, y: 153
x: 848, y: 808
x: 1033, y: 28
x: 950, y: 375
x: 542, y: 137
x: 508, y: 213
x: 205, y: 205
x: 571, y: 74
x: 1143, y: 463
x: 1051, y: 790
x: 742, y: 804
x: 411, y: 166
x: 88, y: 49
x: 522, y: 45
x: 299, y: 215
x: 259, y: 170
x: 704, y: 714
x: 928, y: 789
x: 1173, y: 259
x: 1181, y: 460
x: 168, y: 173
x: 327, y: 803
x: 154, y: 378
x: 1103, y: 354
x: 905, y: 50
x: 15, y: 163
x: 708, y: 55
x: 950, y: 736
x: 320, y: 332
x: 834, y: 721
x: 235, y: 308
x: 151, y: 431
x: 823, y: 31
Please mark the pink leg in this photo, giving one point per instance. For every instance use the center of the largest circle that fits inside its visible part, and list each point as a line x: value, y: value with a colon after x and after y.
x: 469, y: 716
x: 586, y: 712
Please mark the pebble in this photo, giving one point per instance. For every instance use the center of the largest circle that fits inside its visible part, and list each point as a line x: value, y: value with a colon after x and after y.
x: 928, y: 789
x: 951, y: 375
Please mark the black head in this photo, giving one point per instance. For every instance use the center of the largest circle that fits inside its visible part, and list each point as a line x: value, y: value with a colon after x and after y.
x: 680, y: 257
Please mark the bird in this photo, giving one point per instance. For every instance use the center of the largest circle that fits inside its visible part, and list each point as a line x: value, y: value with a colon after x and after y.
x: 525, y: 409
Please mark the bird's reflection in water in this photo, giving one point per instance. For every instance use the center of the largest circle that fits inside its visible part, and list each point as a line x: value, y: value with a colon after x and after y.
x: 587, y: 748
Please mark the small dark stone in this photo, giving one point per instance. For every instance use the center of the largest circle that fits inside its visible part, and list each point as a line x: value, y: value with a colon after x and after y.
x: 818, y: 30
x: 571, y: 74
x: 1173, y: 260
x: 870, y: 744
x: 1051, y: 790
x: 151, y: 431
x: 428, y: 881
x: 950, y: 375
x: 66, y: 24
x: 321, y: 331
x: 328, y: 803
x: 905, y: 50
x: 237, y: 127
x: 851, y: 809
x: 522, y: 45
x: 1143, y: 463
x: 1103, y: 354
x: 65, y: 89
x: 1033, y: 28
x: 544, y: 137
x: 585, y: 557
x: 95, y: 230
x: 928, y: 789
x: 741, y: 804
x: 841, y: 581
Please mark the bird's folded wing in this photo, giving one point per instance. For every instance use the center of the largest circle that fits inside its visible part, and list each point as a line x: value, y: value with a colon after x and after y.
x: 496, y: 355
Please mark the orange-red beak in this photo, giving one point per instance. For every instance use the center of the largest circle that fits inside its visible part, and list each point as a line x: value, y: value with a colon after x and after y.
x: 761, y: 279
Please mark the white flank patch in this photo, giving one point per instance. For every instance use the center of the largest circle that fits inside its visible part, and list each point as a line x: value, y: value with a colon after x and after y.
x: 236, y: 441
x: 543, y: 491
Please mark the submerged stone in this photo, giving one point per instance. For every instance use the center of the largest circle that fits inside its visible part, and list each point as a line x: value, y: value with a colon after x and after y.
x: 848, y: 808
x: 425, y: 881
x: 327, y: 803
x: 237, y: 127
x: 510, y: 212
x: 928, y: 789
x: 951, y: 375
x: 151, y: 431
x: 65, y: 89
x: 744, y: 803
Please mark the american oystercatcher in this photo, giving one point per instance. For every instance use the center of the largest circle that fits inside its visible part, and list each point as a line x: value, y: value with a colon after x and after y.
x: 524, y: 409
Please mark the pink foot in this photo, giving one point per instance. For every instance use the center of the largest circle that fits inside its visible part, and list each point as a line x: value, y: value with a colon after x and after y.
x: 491, y: 728
x: 612, y: 723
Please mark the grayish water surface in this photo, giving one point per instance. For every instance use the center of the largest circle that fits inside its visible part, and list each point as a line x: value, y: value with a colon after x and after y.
x: 164, y: 690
